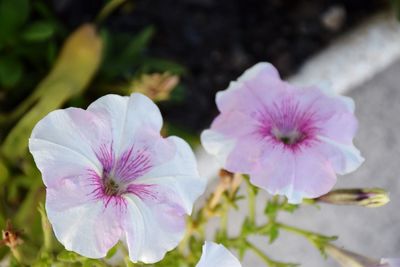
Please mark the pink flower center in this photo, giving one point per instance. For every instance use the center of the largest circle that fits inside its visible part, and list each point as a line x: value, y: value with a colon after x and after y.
x: 119, y: 174
x: 288, y: 137
x: 289, y: 124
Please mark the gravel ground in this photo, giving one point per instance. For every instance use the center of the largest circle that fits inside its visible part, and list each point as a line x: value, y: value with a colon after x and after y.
x: 372, y: 232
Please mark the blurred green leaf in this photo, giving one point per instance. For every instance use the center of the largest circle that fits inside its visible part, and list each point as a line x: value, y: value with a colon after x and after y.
x: 396, y: 8
x: 273, y: 233
x: 4, y: 173
x: 10, y: 72
x: 13, y: 14
x: 162, y: 65
x: 138, y: 44
x: 115, y: 66
x: 75, y: 67
x: 38, y: 31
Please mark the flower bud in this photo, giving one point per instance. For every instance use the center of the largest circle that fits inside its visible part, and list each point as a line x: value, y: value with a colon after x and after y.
x: 350, y: 259
x: 157, y: 86
x: 367, y: 197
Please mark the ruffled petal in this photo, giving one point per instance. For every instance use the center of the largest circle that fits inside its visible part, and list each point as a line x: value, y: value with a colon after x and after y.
x: 245, y: 94
x: 245, y: 156
x: 178, y: 175
x: 63, y: 143
x: 217, y: 144
x: 215, y: 255
x: 344, y: 158
x: 296, y: 175
x: 153, y: 225
x: 127, y: 115
x: 80, y: 222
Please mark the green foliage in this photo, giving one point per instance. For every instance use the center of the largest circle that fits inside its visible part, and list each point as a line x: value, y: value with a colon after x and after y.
x: 396, y: 7
x: 25, y: 42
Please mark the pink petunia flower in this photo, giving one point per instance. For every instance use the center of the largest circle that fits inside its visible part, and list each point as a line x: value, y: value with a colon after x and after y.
x: 290, y: 140
x: 111, y: 176
x: 215, y: 255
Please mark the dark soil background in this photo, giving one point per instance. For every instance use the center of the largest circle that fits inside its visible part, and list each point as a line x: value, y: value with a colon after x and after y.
x: 216, y: 40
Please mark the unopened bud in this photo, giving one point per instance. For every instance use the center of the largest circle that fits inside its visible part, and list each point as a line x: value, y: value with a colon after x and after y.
x: 350, y: 259
x: 367, y: 197
x: 157, y: 86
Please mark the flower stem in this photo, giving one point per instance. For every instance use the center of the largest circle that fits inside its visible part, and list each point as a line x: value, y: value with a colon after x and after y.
x: 318, y: 240
x: 267, y: 260
x: 252, y: 201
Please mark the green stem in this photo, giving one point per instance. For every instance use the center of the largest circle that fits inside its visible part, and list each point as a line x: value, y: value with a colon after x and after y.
x: 252, y: 201
x: 17, y: 254
x: 267, y: 260
x: 316, y: 239
x: 224, y: 218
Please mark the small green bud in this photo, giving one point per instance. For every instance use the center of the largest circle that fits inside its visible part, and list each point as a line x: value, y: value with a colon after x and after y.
x: 367, y: 197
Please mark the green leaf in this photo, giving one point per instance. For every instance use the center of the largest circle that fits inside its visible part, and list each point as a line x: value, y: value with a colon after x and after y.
x: 69, y: 256
x: 290, y: 207
x: 138, y: 44
x: 38, y: 31
x: 10, y: 72
x: 13, y: 14
x: 162, y: 65
x: 4, y: 173
x: 273, y: 233
x: 271, y: 209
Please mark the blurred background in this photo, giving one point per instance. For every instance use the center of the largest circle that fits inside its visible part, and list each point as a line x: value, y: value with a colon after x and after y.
x: 61, y: 53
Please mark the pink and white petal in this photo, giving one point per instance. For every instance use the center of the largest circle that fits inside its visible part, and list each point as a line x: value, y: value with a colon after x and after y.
x: 324, y: 107
x: 235, y: 124
x: 81, y: 223
x: 153, y: 226
x: 63, y: 143
x: 256, y: 85
x: 340, y: 127
x: 127, y: 115
x: 215, y: 255
x: 237, y: 97
x: 259, y: 71
x: 277, y: 173
x: 344, y: 158
x: 314, y: 175
x: 245, y: 157
x: 217, y: 144
x: 58, y: 162
x: 296, y: 175
x: 178, y: 175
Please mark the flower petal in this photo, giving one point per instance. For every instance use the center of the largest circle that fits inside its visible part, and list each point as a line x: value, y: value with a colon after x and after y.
x: 295, y: 175
x: 217, y: 144
x: 215, y: 255
x: 63, y: 142
x: 80, y: 223
x: 344, y: 158
x: 127, y: 115
x: 244, y: 94
x: 153, y: 226
x: 178, y: 175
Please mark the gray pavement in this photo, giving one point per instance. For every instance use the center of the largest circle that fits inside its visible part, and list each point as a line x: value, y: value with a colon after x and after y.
x: 372, y: 232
